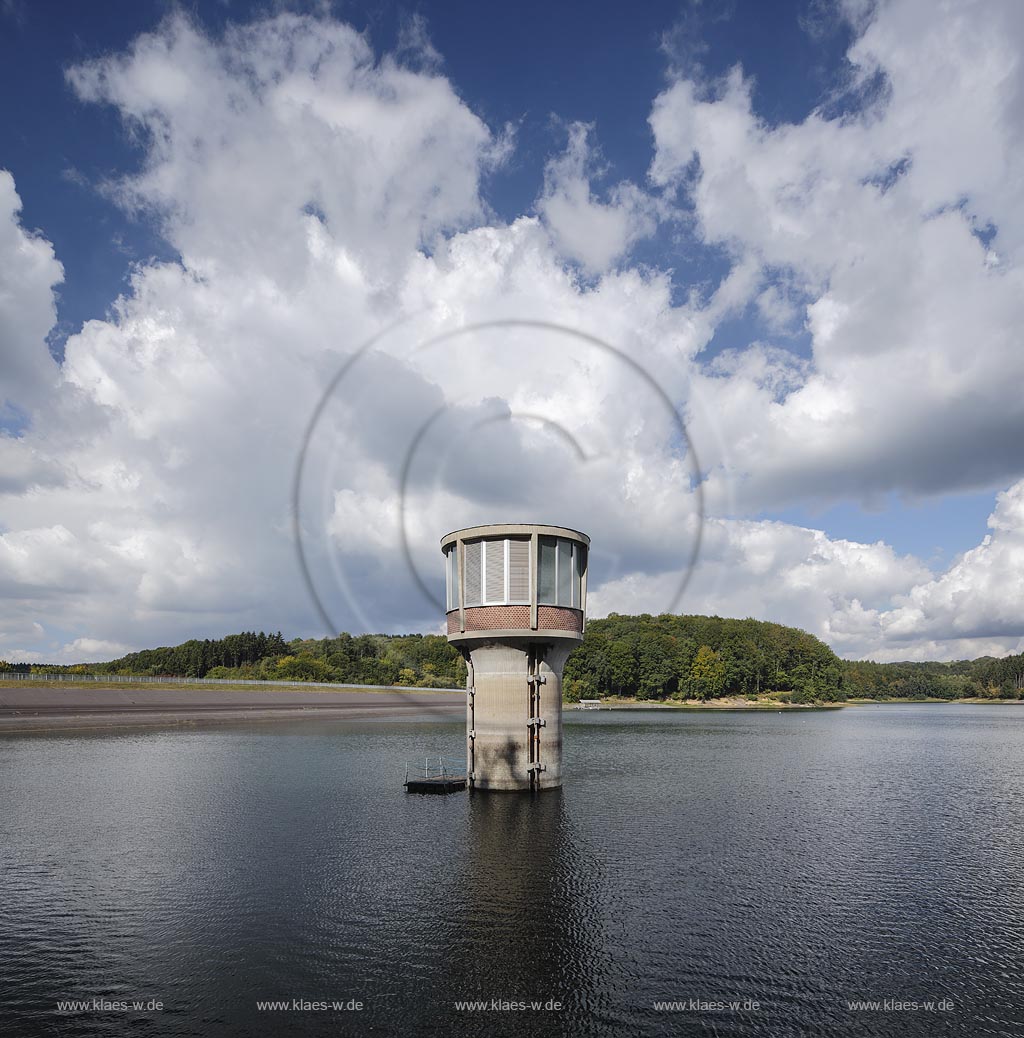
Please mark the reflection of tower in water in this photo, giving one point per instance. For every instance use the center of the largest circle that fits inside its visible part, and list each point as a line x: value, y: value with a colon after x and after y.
x: 516, y: 607
x: 530, y: 918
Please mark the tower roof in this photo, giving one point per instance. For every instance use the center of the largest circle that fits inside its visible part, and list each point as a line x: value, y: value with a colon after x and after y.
x: 512, y: 530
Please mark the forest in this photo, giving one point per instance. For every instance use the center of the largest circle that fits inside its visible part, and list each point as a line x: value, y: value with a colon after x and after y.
x: 426, y: 661
x: 707, y: 657
x: 701, y: 657
x: 987, y: 677
x: 647, y: 658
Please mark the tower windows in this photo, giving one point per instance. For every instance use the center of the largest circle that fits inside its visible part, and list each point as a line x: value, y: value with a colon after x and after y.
x: 561, y: 567
x: 497, y: 571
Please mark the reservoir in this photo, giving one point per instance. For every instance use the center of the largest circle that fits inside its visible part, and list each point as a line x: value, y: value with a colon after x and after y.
x: 699, y: 873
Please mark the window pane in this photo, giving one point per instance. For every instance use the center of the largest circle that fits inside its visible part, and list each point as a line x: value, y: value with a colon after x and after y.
x: 565, y: 573
x: 494, y: 561
x: 519, y: 571
x: 473, y: 585
x: 579, y: 562
x: 546, y: 571
x: 453, y: 578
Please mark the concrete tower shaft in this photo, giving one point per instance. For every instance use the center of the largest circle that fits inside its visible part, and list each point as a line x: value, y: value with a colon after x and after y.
x: 516, y: 608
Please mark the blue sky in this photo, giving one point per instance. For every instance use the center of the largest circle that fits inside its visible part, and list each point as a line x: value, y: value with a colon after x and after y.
x: 552, y: 66
x: 802, y: 218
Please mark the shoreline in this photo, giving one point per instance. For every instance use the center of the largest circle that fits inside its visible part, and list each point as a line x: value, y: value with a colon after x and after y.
x: 769, y: 705
x: 709, y: 704
x: 40, y: 707
x: 969, y: 700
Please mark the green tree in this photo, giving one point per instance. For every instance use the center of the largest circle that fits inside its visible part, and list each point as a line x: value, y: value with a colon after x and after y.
x: 303, y: 668
x: 576, y: 689
x: 622, y: 668
x: 707, y: 673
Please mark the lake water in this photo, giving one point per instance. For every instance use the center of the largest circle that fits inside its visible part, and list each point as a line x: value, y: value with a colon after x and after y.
x: 791, y: 862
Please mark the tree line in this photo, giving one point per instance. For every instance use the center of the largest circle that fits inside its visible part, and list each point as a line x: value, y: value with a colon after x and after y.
x: 425, y: 661
x: 641, y: 657
x: 702, y: 657
x: 988, y: 677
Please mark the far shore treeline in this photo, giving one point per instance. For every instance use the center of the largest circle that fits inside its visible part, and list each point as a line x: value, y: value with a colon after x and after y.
x: 643, y: 657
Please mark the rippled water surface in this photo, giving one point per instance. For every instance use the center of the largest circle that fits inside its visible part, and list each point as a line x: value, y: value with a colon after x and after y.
x: 798, y: 860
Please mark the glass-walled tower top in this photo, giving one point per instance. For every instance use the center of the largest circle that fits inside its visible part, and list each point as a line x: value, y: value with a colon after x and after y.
x: 515, y: 581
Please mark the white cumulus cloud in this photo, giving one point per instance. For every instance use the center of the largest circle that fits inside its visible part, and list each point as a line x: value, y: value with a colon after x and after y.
x: 878, y: 213
x: 319, y: 194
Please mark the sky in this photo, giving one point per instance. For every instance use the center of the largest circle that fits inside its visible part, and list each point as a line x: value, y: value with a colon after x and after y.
x: 288, y: 291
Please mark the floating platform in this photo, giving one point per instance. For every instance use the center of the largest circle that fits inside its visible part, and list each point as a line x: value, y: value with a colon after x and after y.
x: 435, y: 785
x: 435, y: 775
